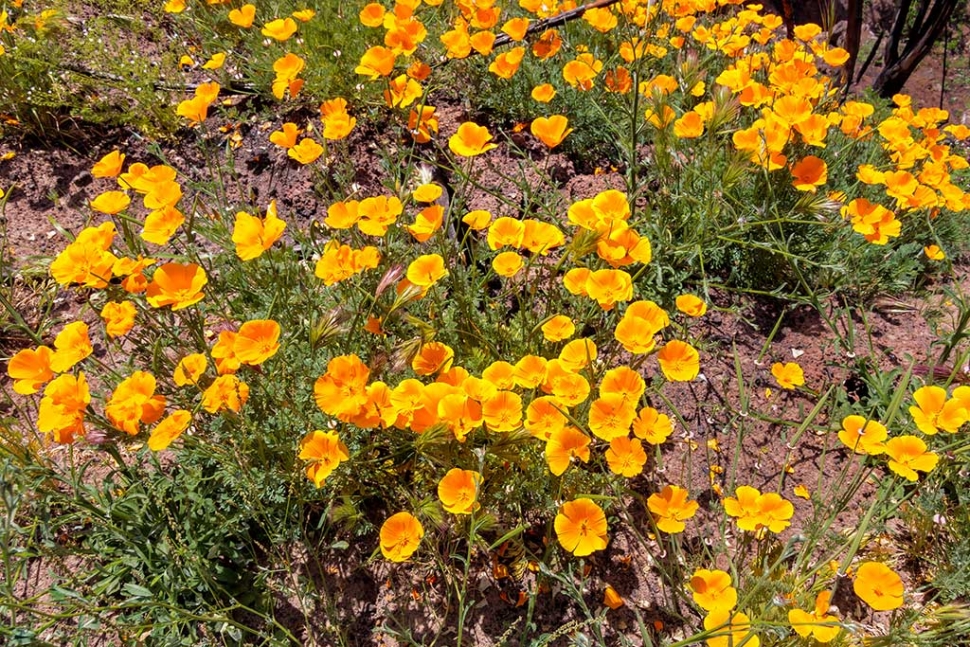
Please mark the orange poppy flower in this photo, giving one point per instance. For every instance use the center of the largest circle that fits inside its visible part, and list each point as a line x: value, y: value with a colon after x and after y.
x: 287, y: 70
x: 500, y: 374
x: 169, y: 429
x: 691, y: 305
x: 580, y: 72
x: 325, y: 451
x: 225, y: 392
x: 377, y: 214
x: 376, y: 61
x: 434, y: 357
x: 558, y: 328
x: 907, y: 455
x: 547, y: 45
x: 618, y: 81
x: 530, y: 371
x: 253, y: 235
x: 400, y: 536
x: 789, y: 375
x: 461, y: 413
x: 626, y: 457
x: 652, y: 426
x: 610, y: 416
x: 339, y: 262
x: 71, y: 346
x: 878, y: 586
x: 507, y: 63
x: 256, y: 341
x: 712, y: 590
x: 818, y: 624
x: 419, y: 71
x: 679, y: 361
x: 134, y: 402
x: 160, y: 225
x: 551, y: 130
x: 30, y: 369
x: 577, y: 354
x: 195, y: 109
x: 243, y: 16
x: 729, y: 629
x: 215, y: 62
x: 286, y: 136
x: 86, y: 261
x: 402, y: 92
x: 505, y: 231
x: 601, y: 19
x: 109, y: 165
x: 306, y: 152
x: 502, y: 411
x: 428, y: 192
x: 427, y: 222
x: 809, y: 173
x: 342, y: 215
x: 541, y: 237
x: 61, y: 410
x: 507, y: 264
x: 177, y: 285
x: 280, y: 29
x: 671, y: 507
x: 457, y: 42
x: 625, y: 382
x: 470, y: 140
x: 581, y: 527
x: 575, y: 280
x: 189, y: 369
x: 342, y: 390
x: 224, y: 353
x: 111, y: 202
x: 607, y: 287
x: 571, y: 388
x: 458, y: 491
x: 544, y: 417
x: 516, y: 28
x: 611, y: 598
x: 563, y: 445
x: 422, y: 124
x: 426, y: 270
x: 689, y: 126
x: 543, y: 93
x: 863, y: 436
x: 372, y: 15
x: 933, y: 412
x: 133, y: 271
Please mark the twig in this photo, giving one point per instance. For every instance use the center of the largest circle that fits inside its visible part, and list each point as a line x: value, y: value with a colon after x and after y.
x: 161, y: 87
x: 872, y: 55
x: 946, y: 47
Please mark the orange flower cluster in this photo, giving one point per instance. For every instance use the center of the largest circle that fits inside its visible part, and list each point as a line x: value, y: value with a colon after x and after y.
x: 337, y: 122
x: 288, y: 69
x: 713, y: 592
x: 339, y: 262
x: 757, y: 512
x: 87, y: 261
